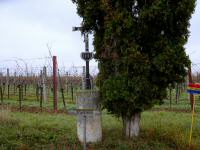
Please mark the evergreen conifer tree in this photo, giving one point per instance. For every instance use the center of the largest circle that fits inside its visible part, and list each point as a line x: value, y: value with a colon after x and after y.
x: 139, y: 45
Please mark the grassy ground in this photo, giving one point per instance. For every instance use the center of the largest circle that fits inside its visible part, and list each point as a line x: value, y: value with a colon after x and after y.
x: 183, y: 103
x: 162, y: 128
x: 159, y: 131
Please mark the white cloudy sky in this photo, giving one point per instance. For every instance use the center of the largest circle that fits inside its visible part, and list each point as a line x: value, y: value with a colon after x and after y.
x: 26, y: 26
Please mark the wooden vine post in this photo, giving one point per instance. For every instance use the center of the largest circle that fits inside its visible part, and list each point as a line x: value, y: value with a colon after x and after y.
x: 20, y: 86
x: 1, y: 88
x: 41, y: 97
x: 72, y: 92
x: 170, y: 96
x: 40, y: 89
x: 1, y: 93
x: 44, y: 76
x: 37, y: 91
x: 8, y: 83
x: 14, y: 83
x: 62, y: 90
x: 55, y: 84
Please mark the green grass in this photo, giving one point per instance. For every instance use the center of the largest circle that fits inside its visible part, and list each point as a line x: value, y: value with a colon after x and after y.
x: 47, y: 105
x: 182, y: 105
x: 159, y: 131
x: 162, y: 128
x: 36, y: 131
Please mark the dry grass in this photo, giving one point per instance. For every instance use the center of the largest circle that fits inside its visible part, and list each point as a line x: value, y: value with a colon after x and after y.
x: 6, y: 119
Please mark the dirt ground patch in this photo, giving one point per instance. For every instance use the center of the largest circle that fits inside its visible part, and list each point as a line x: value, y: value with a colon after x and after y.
x: 31, y: 109
x: 51, y: 111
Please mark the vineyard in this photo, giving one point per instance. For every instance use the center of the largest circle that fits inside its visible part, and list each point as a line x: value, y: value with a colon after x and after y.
x: 22, y: 88
x: 27, y: 107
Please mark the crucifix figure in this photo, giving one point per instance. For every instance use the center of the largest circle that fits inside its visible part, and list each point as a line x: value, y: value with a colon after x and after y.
x: 87, y: 56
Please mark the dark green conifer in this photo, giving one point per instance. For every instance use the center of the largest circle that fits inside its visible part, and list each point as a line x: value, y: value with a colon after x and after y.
x: 139, y: 45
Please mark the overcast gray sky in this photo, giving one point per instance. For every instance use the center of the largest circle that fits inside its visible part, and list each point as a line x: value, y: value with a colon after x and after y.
x: 26, y: 26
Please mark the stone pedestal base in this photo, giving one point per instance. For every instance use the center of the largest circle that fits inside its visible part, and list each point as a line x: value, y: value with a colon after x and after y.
x: 89, y: 112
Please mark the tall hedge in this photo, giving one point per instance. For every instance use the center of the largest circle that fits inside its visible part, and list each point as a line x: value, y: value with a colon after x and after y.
x: 139, y: 45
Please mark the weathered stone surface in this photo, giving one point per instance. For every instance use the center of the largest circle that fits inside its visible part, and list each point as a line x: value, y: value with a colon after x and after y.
x: 88, y: 102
